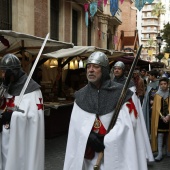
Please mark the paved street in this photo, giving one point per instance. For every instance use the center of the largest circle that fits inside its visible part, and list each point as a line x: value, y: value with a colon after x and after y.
x: 55, y: 150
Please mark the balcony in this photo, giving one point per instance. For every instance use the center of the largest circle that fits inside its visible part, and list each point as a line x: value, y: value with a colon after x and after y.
x: 149, y: 17
x: 150, y: 24
x: 146, y: 9
x: 149, y: 31
x: 117, y: 18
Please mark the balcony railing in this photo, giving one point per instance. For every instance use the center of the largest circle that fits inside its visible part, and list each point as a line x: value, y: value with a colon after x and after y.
x: 150, y: 23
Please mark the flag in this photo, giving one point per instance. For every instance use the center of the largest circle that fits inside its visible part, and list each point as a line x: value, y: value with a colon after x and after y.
x: 166, y: 55
x: 99, y: 2
x: 93, y: 8
x: 150, y: 52
x: 115, y: 39
x: 105, y: 2
x: 149, y: 1
x: 121, y: 1
x: 139, y: 4
x: 86, y: 14
x: 113, y: 6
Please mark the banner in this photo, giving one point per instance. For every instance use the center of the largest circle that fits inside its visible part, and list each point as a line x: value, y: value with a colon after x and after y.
x: 166, y: 55
x: 139, y: 4
x: 150, y: 52
x: 86, y: 14
x: 113, y: 6
x: 149, y: 1
x: 105, y: 2
x: 93, y: 8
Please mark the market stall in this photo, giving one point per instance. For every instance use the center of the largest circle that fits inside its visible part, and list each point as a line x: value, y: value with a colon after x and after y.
x: 26, y: 48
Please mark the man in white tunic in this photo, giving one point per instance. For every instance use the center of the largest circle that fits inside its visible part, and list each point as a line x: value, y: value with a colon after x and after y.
x: 123, y: 146
x: 22, y: 134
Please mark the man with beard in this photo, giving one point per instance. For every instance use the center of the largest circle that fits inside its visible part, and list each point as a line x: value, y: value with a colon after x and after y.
x: 92, y: 112
x: 22, y: 130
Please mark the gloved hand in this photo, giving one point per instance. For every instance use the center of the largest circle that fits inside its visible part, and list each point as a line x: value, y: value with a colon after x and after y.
x: 96, y: 142
x: 9, y: 76
x: 6, y: 118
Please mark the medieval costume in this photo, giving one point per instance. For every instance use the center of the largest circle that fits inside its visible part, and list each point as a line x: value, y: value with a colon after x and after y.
x: 22, y: 136
x: 91, y: 114
x: 147, y: 106
x: 121, y: 80
x: 159, y: 129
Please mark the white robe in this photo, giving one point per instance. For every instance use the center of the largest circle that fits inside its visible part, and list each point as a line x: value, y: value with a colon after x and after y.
x: 23, y: 144
x: 149, y: 155
x: 124, y: 144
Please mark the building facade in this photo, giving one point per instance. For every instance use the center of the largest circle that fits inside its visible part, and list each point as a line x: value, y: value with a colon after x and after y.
x: 149, y: 27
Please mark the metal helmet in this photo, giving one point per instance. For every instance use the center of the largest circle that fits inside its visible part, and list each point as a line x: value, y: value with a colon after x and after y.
x: 119, y: 64
x: 98, y: 58
x: 10, y: 61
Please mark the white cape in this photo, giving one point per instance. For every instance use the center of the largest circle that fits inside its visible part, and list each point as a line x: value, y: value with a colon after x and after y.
x: 149, y: 154
x: 23, y: 143
x: 124, y: 144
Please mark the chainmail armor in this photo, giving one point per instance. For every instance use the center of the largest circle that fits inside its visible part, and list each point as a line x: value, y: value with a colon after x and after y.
x: 100, y: 101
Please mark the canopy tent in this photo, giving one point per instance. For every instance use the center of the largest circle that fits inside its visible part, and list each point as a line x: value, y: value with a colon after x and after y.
x: 129, y: 60
x: 15, y: 42
x: 26, y: 46
x: 81, y: 51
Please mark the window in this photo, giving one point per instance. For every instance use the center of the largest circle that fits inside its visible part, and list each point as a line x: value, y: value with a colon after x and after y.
x: 148, y: 28
x: 148, y: 14
x: 74, y: 26
x: 6, y: 14
x: 54, y: 19
x: 89, y: 33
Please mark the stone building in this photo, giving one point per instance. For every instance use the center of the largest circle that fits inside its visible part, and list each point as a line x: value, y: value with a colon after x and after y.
x: 65, y: 20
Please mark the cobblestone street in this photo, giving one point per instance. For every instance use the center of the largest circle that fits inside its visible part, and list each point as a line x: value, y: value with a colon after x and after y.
x: 55, y: 152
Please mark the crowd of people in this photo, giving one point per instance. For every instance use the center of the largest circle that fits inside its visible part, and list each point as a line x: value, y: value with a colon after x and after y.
x: 140, y: 130
x: 97, y: 138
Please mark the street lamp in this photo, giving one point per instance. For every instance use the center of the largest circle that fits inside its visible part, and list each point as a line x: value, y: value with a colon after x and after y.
x: 159, y: 42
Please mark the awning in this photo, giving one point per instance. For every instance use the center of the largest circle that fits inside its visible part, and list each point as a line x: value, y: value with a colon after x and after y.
x: 81, y: 51
x: 15, y: 42
x: 129, y: 60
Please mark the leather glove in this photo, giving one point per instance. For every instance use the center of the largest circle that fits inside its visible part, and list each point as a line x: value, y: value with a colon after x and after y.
x: 96, y: 142
x: 9, y: 76
x: 6, y: 118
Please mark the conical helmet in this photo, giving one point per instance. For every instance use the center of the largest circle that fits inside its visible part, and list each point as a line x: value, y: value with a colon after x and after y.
x: 10, y: 61
x: 98, y: 58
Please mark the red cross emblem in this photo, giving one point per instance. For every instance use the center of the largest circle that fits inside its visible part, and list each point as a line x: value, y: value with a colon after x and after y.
x: 40, y: 106
x: 132, y: 107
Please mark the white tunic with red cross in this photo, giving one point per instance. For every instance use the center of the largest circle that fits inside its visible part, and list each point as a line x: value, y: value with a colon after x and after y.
x: 124, y: 144
x: 23, y: 143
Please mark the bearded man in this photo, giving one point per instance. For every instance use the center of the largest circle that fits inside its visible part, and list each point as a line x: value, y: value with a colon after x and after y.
x: 94, y: 105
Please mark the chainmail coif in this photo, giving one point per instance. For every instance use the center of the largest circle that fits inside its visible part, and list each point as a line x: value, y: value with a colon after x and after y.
x: 100, y: 101
x: 122, y: 80
x: 16, y: 87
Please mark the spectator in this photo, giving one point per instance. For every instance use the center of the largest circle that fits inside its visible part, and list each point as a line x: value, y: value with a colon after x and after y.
x: 152, y: 88
x: 160, y: 119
